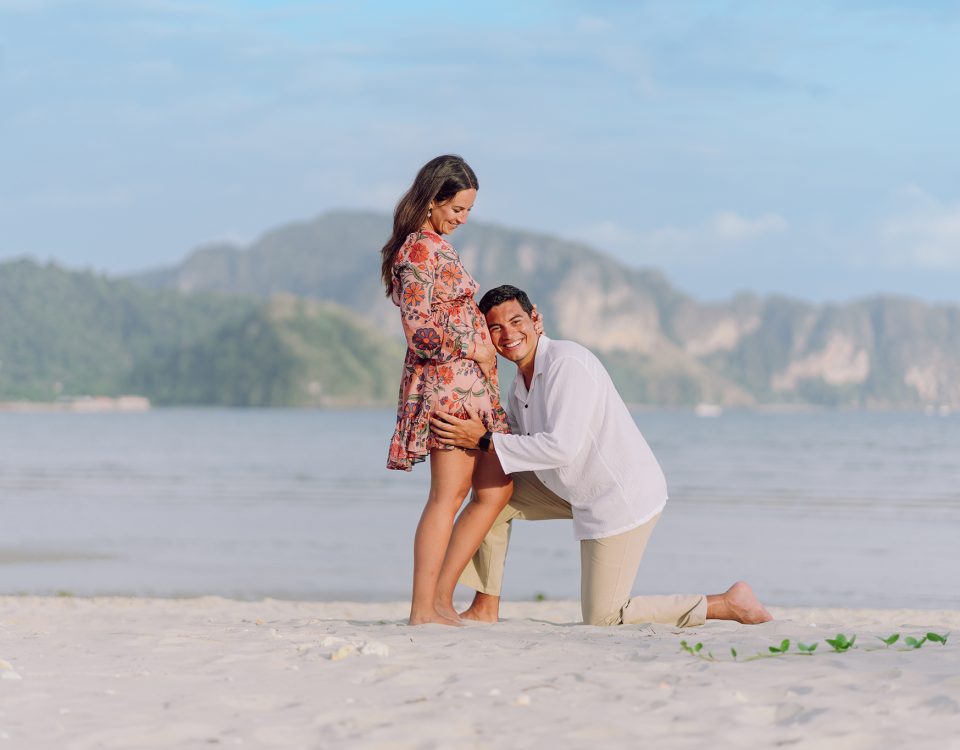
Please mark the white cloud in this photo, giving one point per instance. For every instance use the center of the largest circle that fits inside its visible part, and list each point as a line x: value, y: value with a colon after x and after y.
x: 27, y: 6
x: 732, y: 227
x: 608, y: 234
x: 724, y: 228
x: 924, y: 232
x: 593, y: 24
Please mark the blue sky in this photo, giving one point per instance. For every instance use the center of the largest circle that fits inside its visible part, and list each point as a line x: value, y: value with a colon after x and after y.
x: 799, y: 148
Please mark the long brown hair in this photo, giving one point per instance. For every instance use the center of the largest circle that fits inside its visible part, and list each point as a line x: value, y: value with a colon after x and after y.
x: 438, y: 180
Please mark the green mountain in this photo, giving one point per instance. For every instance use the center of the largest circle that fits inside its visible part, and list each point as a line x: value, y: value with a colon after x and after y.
x: 66, y: 334
x: 288, y: 352
x: 298, y: 318
x: 661, y: 345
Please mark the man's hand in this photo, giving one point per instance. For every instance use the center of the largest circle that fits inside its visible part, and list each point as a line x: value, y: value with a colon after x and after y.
x: 462, y: 433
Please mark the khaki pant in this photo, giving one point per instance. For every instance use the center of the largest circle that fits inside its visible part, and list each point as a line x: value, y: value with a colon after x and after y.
x: 608, y: 566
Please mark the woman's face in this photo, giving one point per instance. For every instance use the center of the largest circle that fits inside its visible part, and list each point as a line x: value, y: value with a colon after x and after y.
x: 445, y: 217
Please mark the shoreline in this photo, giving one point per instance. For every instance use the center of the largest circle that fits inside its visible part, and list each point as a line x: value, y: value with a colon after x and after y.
x: 113, y: 672
x: 137, y: 405
x: 80, y: 405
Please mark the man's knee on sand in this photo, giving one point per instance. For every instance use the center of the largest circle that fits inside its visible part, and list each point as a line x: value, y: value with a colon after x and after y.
x: 676, y: 610
x: 602, y: 617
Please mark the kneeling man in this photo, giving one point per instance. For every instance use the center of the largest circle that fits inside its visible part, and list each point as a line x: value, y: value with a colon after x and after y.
x: 576, y: 452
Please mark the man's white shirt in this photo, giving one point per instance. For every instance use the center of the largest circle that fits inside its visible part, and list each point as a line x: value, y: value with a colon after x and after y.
x: 572, y: 428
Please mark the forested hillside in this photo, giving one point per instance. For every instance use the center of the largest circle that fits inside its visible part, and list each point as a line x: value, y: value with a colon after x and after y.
x: 66, y: 334
x: 661, y: 345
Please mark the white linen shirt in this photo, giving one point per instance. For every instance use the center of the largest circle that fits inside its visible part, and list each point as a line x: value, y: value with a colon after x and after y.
x: 573, y: 429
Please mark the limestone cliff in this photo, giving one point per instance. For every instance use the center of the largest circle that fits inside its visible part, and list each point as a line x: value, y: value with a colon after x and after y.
x: 661, y: 345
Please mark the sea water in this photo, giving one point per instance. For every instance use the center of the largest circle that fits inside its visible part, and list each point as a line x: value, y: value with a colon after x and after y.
x: 823, y: 509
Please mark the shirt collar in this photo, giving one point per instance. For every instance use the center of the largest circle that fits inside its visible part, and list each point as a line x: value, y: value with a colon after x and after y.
x: 539, y: 362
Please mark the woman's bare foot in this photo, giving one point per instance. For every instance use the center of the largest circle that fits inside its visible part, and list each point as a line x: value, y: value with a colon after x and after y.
x: 737, y: 603
x: 447, y: 611
x: 424, y: 618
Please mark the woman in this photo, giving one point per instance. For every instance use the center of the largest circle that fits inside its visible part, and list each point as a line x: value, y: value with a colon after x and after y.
x: 450, y: 366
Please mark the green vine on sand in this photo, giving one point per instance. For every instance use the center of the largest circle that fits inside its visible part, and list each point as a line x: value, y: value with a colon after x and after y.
x: 839, y: 643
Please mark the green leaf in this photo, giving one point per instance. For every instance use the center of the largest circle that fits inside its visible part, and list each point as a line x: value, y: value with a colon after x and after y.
x: 941, y: 639
x: 733, y: 652
x: 698, y: 647
x: 891, y: 639
x: 807, y: 649
x: 840, y: 643
x: 914, y: 643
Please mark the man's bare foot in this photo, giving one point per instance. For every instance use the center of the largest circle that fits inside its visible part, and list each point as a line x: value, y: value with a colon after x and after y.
x: 485, y: 608
x: 423, y: 618
x: 737, y: 603
x: 478, y: 615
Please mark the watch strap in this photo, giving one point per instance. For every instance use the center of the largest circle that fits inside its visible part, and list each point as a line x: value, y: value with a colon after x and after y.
x: 484, y: 442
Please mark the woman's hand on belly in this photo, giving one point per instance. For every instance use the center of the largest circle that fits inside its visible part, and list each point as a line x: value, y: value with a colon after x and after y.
x: 486, y: 357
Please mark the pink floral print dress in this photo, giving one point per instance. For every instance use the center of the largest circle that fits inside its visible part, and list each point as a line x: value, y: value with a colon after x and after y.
x: 442, y: 324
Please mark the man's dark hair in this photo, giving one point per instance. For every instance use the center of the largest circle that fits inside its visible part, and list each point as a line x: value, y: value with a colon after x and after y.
x: 505, y: 293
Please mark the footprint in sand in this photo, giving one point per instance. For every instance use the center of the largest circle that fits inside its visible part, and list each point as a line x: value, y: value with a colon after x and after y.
x: 941, y: 705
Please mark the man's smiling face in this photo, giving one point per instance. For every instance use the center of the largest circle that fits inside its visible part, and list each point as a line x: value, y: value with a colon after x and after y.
x: 512, y: 332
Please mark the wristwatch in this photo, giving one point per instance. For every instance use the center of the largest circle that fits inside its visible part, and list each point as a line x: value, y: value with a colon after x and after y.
x: 484, y: 442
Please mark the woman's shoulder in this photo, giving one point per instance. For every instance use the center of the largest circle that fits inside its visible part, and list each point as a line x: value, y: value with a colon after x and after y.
x: 428, y: 237
x: 421, y: 246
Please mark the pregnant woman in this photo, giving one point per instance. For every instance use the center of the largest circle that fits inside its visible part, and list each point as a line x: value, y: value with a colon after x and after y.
x: 451, y: 367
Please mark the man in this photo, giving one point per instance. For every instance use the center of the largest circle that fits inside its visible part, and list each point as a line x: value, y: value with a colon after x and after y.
x: 575, y: 452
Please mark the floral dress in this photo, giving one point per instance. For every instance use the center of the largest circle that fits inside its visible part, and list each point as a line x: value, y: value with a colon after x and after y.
x: 443, y: 325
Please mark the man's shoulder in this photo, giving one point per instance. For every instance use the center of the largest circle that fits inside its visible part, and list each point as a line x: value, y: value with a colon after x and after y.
x: 562, y: 355
x: 564, y: 348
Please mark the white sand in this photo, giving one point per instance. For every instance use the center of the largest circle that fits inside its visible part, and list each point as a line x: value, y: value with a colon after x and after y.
x: 130, y: 673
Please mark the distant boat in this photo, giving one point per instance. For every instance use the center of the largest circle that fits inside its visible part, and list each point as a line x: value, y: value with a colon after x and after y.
x: 708, y: 410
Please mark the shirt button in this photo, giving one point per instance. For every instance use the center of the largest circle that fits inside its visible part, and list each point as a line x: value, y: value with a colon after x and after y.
x: 528, y: 433
x: 525, y: 406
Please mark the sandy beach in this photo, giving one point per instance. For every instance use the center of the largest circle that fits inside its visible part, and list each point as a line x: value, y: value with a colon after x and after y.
x: 183, y: 673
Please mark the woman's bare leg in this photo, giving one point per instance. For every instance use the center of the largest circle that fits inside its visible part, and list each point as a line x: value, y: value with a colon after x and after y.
x: 451, y: 472
x: 492, y: 491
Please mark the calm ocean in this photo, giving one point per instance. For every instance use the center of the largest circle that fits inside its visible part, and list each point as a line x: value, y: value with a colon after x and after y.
x: 825, y: 509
